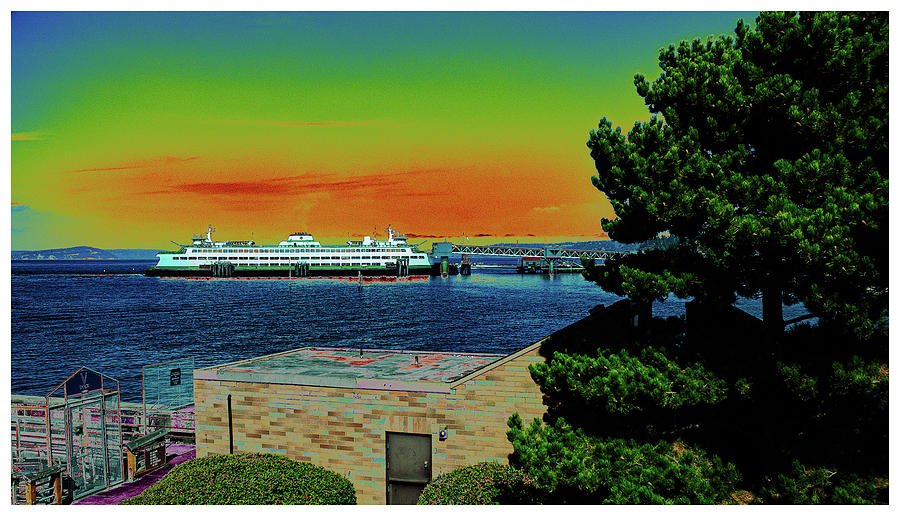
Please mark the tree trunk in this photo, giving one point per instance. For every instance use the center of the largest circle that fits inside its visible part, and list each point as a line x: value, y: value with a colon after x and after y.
x: 773, y: 329
x: 773, y: 316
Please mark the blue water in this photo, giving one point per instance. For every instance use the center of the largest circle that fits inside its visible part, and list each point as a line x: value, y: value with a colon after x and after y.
x: 111, y: 318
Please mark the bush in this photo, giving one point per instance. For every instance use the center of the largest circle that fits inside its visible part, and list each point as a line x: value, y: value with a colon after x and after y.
x: 248, y: 478
x: 485, y: 483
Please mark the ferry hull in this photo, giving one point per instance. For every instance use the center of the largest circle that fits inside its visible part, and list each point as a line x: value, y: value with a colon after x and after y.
x: 284, y: 272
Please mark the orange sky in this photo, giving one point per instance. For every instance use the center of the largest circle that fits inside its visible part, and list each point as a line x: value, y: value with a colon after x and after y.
x: 133, y: 129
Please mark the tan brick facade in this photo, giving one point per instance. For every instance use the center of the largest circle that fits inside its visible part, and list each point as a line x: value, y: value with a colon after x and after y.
x: 343, y: 429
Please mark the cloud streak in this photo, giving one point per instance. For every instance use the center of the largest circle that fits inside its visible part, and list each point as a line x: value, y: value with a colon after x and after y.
x: 337, y: 123
x: 29, y: 136
x: 275, y: 187
x: 422, y: 235
x: 306, y: 184
x: 308, y: 123
x: 155, y: 162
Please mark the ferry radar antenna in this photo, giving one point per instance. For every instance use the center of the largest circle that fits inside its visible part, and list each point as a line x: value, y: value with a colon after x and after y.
x: 209, y: 231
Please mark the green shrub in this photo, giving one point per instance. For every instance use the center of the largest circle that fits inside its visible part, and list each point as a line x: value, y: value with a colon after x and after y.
x: 248, y: 478
x: 485, y: 483
x: 818, y: 485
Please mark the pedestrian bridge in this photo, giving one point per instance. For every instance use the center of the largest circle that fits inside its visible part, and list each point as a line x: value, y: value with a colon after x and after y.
x: 441, y: 249
x: 441, y: 252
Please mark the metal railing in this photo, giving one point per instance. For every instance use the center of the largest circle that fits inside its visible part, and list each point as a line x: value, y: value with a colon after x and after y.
x: 38, y: 437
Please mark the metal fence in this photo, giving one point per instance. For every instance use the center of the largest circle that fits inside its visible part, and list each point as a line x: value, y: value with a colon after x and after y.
x: 29, y: 431
x: 84, y: 431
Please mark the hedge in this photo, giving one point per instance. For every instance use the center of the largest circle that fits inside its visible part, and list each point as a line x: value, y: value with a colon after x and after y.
x: 250, y: 479
x: 485, y: 483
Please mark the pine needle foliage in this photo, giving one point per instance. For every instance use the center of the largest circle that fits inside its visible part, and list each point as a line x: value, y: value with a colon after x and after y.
x: 765, y: 161
x: 766, y: 155
x: 576, y: 468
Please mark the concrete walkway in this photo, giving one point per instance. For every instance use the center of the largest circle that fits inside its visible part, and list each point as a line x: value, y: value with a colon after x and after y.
x: 175, y: 453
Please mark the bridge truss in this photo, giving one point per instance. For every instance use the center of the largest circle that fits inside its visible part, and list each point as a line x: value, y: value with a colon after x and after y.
x: 537, y: 252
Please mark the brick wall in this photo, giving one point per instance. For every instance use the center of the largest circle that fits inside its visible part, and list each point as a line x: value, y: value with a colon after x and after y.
x: 343, y: 429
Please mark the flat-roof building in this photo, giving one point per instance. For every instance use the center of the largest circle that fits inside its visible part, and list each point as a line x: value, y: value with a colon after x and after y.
x: 390, y: 420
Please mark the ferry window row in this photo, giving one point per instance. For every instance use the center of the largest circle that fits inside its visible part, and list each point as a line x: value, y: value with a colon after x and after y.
x: 292, y: 251
x: 316, y: 261
x: 281, y: 258
x: 209, y: 257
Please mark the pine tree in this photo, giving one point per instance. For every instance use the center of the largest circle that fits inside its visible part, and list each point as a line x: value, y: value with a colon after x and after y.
x: 766, y: 157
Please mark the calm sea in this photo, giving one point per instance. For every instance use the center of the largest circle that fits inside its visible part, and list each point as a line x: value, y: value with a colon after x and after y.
x: 111, y: 318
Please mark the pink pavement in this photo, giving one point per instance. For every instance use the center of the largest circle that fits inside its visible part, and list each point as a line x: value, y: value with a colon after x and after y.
x: 176, y: 453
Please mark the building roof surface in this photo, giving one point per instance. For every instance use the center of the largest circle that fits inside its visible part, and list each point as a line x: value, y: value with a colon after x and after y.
x: 342, y: 367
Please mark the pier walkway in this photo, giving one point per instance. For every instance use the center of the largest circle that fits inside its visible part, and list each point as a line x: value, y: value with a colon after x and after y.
x: 175, y: 453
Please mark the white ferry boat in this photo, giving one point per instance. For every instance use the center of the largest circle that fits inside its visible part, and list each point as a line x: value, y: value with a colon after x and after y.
x: 299, y: 256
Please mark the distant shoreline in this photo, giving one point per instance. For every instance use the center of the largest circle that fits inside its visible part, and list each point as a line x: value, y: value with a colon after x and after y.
x: 79, y: 253
x: 84, y: 253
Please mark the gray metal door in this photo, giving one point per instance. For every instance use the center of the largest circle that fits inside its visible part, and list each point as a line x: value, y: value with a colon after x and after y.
x: 408, y: 466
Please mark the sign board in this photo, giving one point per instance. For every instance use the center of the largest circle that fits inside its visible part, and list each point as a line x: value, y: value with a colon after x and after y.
x: 83, y: 382
x: 156, y: 455
x: 169, y: 384
x: 146, y: 457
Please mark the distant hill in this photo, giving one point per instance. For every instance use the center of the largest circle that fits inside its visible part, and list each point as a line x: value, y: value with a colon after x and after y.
x: 135, y: 254
x: 83, y: 252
